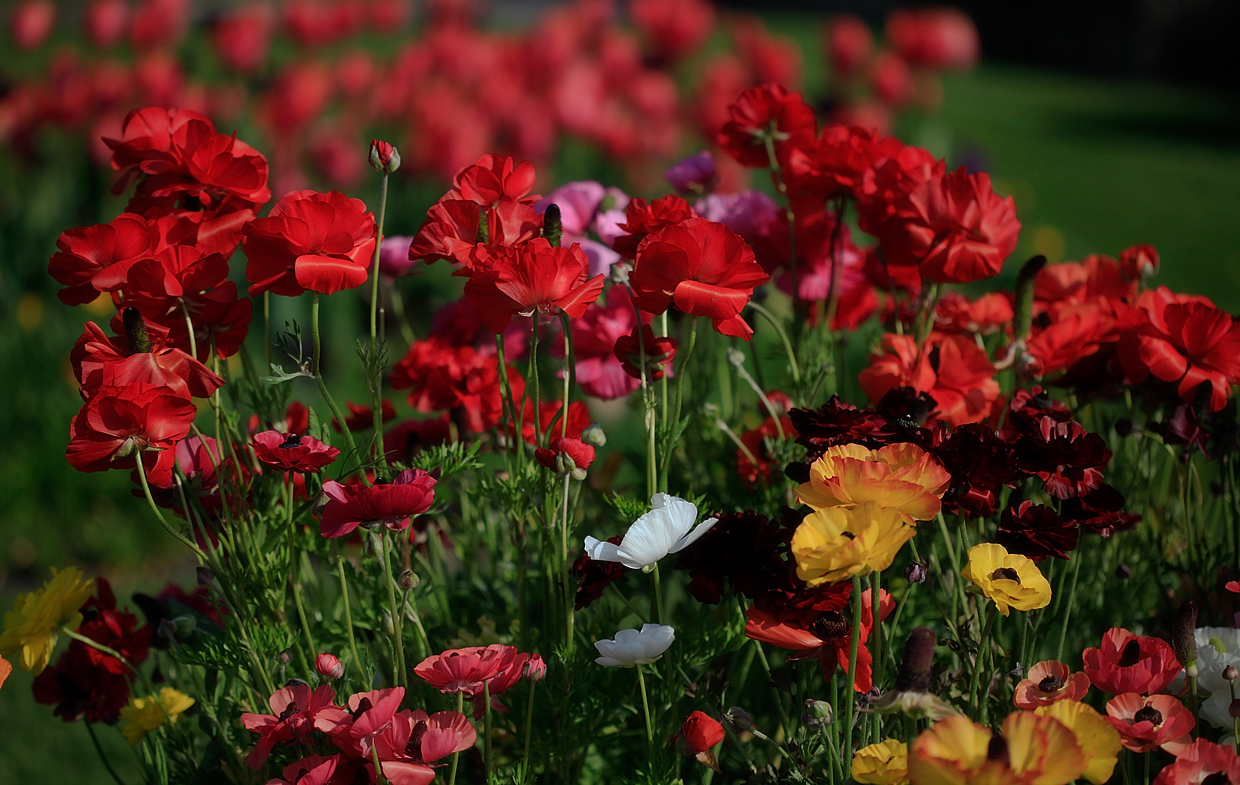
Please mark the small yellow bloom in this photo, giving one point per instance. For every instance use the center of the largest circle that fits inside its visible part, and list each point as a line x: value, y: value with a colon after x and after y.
x: 835, y: 543
x: 1096, y: 737
x: 31, y: 627
x: 144, y: 715
x: 902, y: 476
x: 885, y: 763
x: 1011, y: 580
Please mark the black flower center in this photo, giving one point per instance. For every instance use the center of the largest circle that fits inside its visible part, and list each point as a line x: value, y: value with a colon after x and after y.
x: 830, y: 626
x: 1050, y: 684
x: 1131, y: 654
x: 1005, y: 574
x: 1217, y: 778
x: 289, y: 711
x: 1149, y: 714
x: 413, y: 748
x: 291, y: 441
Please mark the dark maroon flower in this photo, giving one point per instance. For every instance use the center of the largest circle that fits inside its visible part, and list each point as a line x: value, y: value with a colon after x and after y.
x: 402, y: 442
x: 836, y: 422
x: 1068, y: 459
x: 593, y: 577
x: 1100, y: 511
x: 746, y: 549
x: 291, y: 452
x: 906, y: 407
x: 1036, y: 531
x: 389, y: 504
x: 980, y: 464
x: 1026, y: 410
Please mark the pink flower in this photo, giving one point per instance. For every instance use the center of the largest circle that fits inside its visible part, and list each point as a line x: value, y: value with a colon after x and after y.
x: 296, y: 711
x: 291, y: 452
x: 473, y: 671
x: 1050, y: 682
x: 390, y: 504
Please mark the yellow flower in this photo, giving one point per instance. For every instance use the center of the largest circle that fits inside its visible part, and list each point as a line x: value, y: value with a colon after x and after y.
x: 1032, y: 750
x: 1096, y: 737
x: 1011, y: 580
x: 835, y: 543
x: 32, y: 625
x: 144, y: 715
x: 885, y: 763
x: 902, y: 476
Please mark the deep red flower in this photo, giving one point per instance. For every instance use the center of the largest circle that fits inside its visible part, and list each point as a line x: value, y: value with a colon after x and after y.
x: 699, y: 733
x: 1068, y: 459
x: 954, y: 227
x: 672, y: 30
x: 1139, y: 262
x: 458, y: 379
x: 759, y: 113
x: 291, y: 452
x: 956, y: 313
x: 1202, y: 763
x: 1100, y: 511
x: 952, y: 368
x: 593, y: 577
x: 405, y: 440
x: 749, y: 552
x: 659, y: 353
x: 1146, y: 722
x: 119, y: 422
x: 895, y: 173
x: 296, y: 713
x: 454, y: 226
x: 980, y: 464
x: 1130, y: 663
x: 835, y: 164
x: 494, y: 179
x: 321, y: 242
x: 95, y: 259
x: 533, y: 277
x: 1036, y: 531
x: 100, y: 360
x: 1184, y: 343
x: 760, y: 469
x: 411, y: 493
x: 360, y: 417
x: 837, y: 422
x: 601, y: 373
x: 642, y: 220
x: 703, y: 268
x: 560, y: 450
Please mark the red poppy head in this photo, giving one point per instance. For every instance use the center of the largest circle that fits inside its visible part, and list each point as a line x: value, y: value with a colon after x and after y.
x: 699, y: 733
x: 1130, y: 663
x: 761, y: 113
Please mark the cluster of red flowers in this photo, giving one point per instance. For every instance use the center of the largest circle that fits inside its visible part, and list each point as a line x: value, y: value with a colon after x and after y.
x: 457, y: 89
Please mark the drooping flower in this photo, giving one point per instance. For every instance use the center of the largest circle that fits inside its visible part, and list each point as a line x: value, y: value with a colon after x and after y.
x: 1125, y: 662
x: 411, y: 493
x: 1009, y: 579
x: 1031, y: 750
x: 144, y: 715
x: 1099, y: 741
x: 1202, y: 763
x: 667, y: 528
x: 31, y: 627
x: 884, y: 763
x: 292, y: 452
x: 635, y: 647
x: 566, y: 455
x: 1151, y: 721
x: 659, y: 353
x: 121, y: 422
x: 1050, y: 682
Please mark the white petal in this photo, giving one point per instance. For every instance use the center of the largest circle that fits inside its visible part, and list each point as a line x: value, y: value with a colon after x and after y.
x: 658, y: 500
x: 647, y: 540
x: 601, y: 551
x: 681, y: 515
x: 608, y: 662
x: 693, y: 536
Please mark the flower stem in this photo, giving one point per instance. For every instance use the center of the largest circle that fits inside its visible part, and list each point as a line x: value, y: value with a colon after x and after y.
x: 146, y: 491
x: 348, y: 618
x: 398, y: 645
x: 534, y: 384
x: 854, y: 645
x: 566, y: 571
x: 294, y: 563
x: 641, y: 683
x: 456, y: 756
x: 318, y: 373
x: 783, y: 336
x: 376, y: 384
x: 103, y: 758
x: 486, y: 730
x: 1067, y: 615
x: 657, y: 601
x: 529, y: 721
x: 978, y: 666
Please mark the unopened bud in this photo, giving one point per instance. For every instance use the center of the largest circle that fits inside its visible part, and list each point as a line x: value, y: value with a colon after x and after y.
x: 383, y: 156
x: 205, y: 576
x: 737, y: 719
x: 285, y: 657
x: 385, y: 621
x: 1183, y: 637
x: 535, y: 669
x: 594, y: 436
x: 329, y: 665
x: 408, y: 579
x: 915, y: 573
x: 1233, y: 709
x: 135, y: 331
x: 816, y: 714
x: 1123, y: 571
x: 913, y: 674
x: 1230, y: 673
x: 553, y: 227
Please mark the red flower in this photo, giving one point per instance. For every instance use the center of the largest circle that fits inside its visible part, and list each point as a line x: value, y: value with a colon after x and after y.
x: 119, y: 422
x: 578, y: 420
x: 100, y: 360
x: 566, y: 455
x: 369, y: 715
x: 315, y: 241
x: 954, y: 227
x: 296, y: 713
x: 768, y: 111
x: 659, y: 353
x: 1139, y: 262
x: 1185, y: 343
x: 699, y: 733
x: 494, y: 179
x: 360, y: 417
x: 402, y: 442
x: 1130, y: 663
x: 94, y: 259
x: 457, y: 379
x: 473, y: 671
x: 672, y: 30
x: 980, y: 464
x: 1036, y: 531
x: 531, y: 277
x: 761, y: 469
x: 328, y: 665
x: 415, y: 739
x: 952, y: 368
x: 1050, y: 682
x: 390, y: 504
x: 454, y: 226
x: 895, y: 175
x: 1202, y: 763
x: 937, y: 38
x: 291, y: 452
x: 834, y: 164
x: 702, y: 267
x: 1148, y: 722
x: 643, y: 219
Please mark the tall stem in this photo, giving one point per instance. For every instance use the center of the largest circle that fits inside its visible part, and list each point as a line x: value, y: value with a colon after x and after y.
x: 294, y: 559
x: 348, y: 618
x: 854, y: 645
x: 150, y: 499
x: 534, y: 385
x: 529, y: 721
x: 486, y: 731
x: 641, y: 683
x: 1067, y: 615
x: 376, y: 383
x: 398, y: 645
x: 318, y: 373
x: 566, y: 572
x: 456, y: 756
x: 103, y: 757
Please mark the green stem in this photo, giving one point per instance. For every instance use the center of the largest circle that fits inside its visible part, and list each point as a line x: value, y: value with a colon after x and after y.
x: 978, y: 665
x: 657, y: 602
x: 348, y: 619
x: 529, y: 721
x: 681, y: 371
x: 146, y: 491
x: 854, y: 644
x: 783, y: 336
x: 534, y: 385
x: 486, y: 731
x: 570, y: 596
x: 376, y: 383
x: 318, y: 373
x: 456, y: 756
x: 294, y: 572
x: 1063, y: 629
x: 398, y: 645
x: 641, y: 683
x: 103, y: 758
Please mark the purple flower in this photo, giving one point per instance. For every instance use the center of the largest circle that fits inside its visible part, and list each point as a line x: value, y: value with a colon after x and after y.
x: 693, y: 175
x: 394, y: 261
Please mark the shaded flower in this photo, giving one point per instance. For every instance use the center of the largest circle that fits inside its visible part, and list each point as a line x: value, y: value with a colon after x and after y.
x: 389, y: 504
x: 635, y: 647
x: 1036, y: 531
x: 296, y: 712
x: 1010, y: 580
x: 144, y: 715
x: 667, y: 528
x: 699, y: 733
x: 1049, y: 682
x: 32, y: 626
x: 474, y: 671
x: 1125, y: 662
x: 291, y: 452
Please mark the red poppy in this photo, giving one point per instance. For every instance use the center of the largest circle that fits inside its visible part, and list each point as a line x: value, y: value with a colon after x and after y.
x: 494, y: 179
x: 390, y: 504
x: 699, y: 733
x: 296, y: 714
x: 291, y: 452
x: 659, y: 353
x: 94, y: 259
x: 457, y: 379
x: 321, y: 242
x: 980, y: 464
x: 952, y: 368
x: 1050, y: 682
x: 643, y: 219
x: 754, y: 463
x: 454, y: 226
x: 370, y: 714
x: 101, y: 360
x: 750, y: 552
x: 578, y: 420
x: 954, y: 227
x: 593, y: 577
x: 1036, y: 531
x: 1068, y: 459
x: 531, y: 277
x: 837, y: 422
x: 834, y: 164
x: 360, y: 417
x: 565, y: 455
x: 896, y: 174
x: 759, y: 113
x: 1131, y: 663
x: 119, y: 422
x: 1146, y: 722
x: 473, y: 671
x: 703, y: 268
x: 985, y: 315
x: 414, y: 739
x: 1202, y: 763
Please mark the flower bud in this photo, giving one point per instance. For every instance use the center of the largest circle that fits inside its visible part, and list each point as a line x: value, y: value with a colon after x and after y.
x: 1138, y: 262
x: 1230, y: 673
x: 409, y: 579
x: 594, y: 436
x: 736, y: 358
x: 383, y: 156
x: 1123, y: 571
x: 915, y: 573
x: 913, y: 674
x: 285, y: 657
x: 385, y: 621
x: 816, y: 714
x: 1233, y: 709
x: 135, y: 331
x: 553, y: 226
x: 1022, y: 322
x: 535, y: 669
x: 329, y: 665
x: 737, y: 719
x: 205, y: 576
x: 1183, y: 637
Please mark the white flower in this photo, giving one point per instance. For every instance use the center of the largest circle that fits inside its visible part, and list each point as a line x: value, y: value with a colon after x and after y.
x: 1217, y: 647
x: 635, y: 647
x: 667, y: 528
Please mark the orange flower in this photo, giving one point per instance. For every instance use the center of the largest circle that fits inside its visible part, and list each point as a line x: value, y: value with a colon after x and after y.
x: 901, y: 476
x: 1049, y: 682
x: 1032, y: 750
x: 1094, y: 735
